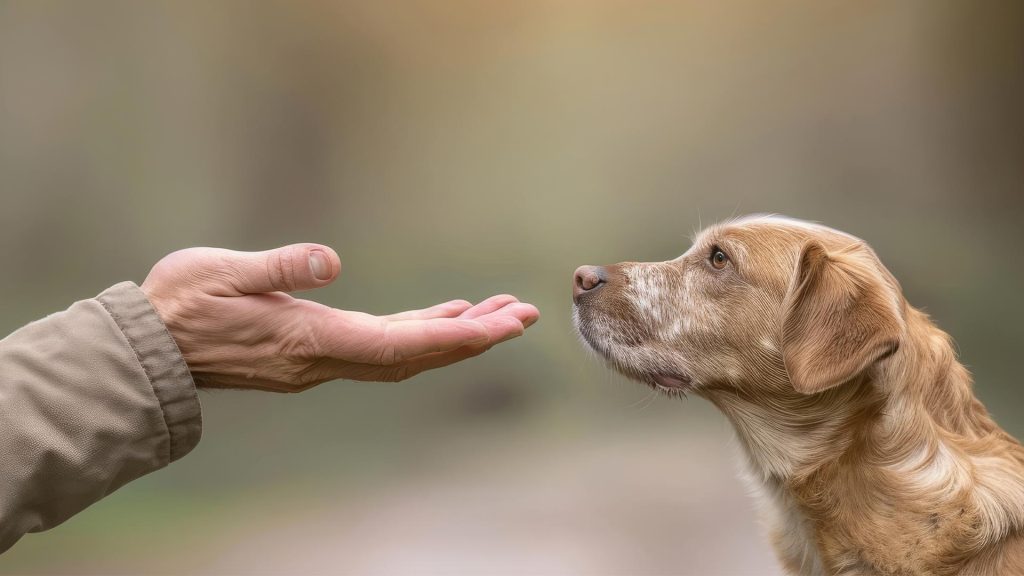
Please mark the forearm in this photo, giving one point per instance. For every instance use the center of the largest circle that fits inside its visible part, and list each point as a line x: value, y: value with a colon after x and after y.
x: 90, y: 399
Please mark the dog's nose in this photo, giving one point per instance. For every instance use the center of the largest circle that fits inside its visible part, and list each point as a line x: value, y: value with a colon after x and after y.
x: 587, y: 279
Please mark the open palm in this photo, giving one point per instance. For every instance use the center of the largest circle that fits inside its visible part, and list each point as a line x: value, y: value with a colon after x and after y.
x: 237, y: 327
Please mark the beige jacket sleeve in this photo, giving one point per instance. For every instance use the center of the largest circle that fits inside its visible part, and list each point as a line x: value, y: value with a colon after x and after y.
x: 90, y: 399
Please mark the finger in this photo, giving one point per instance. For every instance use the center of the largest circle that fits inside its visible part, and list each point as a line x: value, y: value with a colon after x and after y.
x: 407, y: 339
x: 432, y: 361
x: 501, y: 327
x: 526, y: 314
x: 286, y: 269
x: 331, y: 369
x: 504, y: 324
x: 490, y: 305
x: 445, y: 310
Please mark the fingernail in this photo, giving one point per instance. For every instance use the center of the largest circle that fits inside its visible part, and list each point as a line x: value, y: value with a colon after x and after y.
x: 319, y: 264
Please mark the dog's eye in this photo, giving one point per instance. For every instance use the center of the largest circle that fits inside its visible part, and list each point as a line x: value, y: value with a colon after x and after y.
x: 718, y: 258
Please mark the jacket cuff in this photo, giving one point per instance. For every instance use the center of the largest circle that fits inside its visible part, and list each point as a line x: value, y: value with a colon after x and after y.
x: 162, y: 362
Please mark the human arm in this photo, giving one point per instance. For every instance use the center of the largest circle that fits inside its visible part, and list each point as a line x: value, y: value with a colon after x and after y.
x: 105, y: 392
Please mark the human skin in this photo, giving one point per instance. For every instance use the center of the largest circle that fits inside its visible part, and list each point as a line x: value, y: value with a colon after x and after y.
x: 237, y: 327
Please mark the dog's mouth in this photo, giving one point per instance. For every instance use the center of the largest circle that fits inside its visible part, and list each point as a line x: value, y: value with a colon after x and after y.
x: 629, y: 360
x: 673, y: 384
x: 669, y: 383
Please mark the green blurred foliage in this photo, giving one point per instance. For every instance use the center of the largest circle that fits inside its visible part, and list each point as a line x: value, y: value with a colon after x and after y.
x: 457, y: 149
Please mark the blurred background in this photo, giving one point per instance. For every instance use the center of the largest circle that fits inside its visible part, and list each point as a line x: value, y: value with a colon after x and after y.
x: 458, y: 149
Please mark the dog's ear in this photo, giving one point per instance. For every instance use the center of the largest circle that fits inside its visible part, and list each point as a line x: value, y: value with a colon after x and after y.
x: 839, y: 317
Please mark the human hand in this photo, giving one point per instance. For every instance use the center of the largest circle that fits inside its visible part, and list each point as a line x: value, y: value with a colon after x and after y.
x: 236, y: 327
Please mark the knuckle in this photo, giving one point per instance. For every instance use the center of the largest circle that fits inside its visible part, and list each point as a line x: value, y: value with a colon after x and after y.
x: 176, y: 266
x: 281, y: 270
x: 432, y: 334
x: 301, y: 345
x: 387, y: 353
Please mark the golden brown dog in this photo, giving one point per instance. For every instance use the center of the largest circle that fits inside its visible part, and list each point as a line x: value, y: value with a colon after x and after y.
x: 862, y: 434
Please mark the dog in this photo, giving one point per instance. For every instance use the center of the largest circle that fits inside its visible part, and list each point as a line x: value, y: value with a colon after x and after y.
x: 862, y: 435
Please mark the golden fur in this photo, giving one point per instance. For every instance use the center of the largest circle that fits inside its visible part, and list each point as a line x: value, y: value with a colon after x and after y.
x: 863, y: 436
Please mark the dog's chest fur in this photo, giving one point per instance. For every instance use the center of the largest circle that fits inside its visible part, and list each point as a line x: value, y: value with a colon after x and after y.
x: 791, y: 535
x: 944, y: 512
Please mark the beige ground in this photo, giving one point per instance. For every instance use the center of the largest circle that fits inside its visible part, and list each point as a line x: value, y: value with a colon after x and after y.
x: 635, y: 506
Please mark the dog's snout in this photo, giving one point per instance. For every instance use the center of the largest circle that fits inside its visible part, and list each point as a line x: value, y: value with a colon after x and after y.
x: 588, y: 279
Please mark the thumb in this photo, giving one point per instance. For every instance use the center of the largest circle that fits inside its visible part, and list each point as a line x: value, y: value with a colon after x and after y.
x: 285, y: 269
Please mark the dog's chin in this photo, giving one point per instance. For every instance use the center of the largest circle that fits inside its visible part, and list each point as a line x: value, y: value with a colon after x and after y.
x: 670, y: 382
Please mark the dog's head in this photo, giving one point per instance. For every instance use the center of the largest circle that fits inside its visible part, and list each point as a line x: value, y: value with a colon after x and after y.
x: 762, y: 301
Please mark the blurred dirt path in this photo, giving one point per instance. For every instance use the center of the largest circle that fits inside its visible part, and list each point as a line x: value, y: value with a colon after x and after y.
x: 623, y: 507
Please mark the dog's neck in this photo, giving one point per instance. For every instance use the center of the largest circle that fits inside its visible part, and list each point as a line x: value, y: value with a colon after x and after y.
x: 910, y: 435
